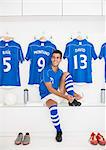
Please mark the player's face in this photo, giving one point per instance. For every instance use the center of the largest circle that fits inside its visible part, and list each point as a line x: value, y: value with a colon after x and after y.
x: 56, y: 59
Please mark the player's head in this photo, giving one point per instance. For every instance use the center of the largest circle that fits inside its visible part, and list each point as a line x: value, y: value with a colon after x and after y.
x: 56, y: 57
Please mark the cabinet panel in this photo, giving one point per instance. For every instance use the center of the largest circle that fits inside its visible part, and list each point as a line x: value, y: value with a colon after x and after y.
x: 82, y: 7
x: 42, y: 7
x: 104, y: 7
x: 10, y: 7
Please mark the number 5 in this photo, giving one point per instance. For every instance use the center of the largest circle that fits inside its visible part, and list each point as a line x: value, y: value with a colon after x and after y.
x: 7, y: 64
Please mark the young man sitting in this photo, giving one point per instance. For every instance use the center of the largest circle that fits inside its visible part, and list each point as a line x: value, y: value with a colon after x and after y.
x: 53, y: 88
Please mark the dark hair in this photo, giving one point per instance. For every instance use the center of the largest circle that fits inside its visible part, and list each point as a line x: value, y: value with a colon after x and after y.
x: 57, y: 52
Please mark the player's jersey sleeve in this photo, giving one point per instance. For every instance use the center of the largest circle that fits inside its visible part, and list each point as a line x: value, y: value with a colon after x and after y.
x: 45, y: 76
x: 21, y: 56
x: 54, y: 47
x: 66, y: 53
x: 28, y: 55
x: 94, y: 56
x: 102, y: 52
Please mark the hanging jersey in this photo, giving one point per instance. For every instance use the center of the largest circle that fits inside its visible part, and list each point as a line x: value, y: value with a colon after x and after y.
x: 10, y: 56
x: 39, y: 53
x: 79, y: 54
x: 48, y: 75
x: 103, y: 55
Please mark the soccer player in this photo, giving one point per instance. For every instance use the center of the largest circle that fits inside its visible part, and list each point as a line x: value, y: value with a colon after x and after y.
x: 53, y: 79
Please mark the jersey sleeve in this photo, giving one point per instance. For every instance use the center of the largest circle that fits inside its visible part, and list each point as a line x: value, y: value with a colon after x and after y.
x: 66, y: 53
x: 54, y: 48
x: 102, y: 52
x: 45, y: 77
x: 94, y: 55
x: 28, y: 54
x: 21, y: 56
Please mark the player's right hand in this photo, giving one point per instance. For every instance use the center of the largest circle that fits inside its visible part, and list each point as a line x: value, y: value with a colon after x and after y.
x: 69, y: 98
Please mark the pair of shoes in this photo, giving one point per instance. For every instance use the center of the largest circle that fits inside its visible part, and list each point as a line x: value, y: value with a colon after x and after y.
x: 59, y: 136
x: 97, y: 139
x: 25, y: 140
x: 74, y: 103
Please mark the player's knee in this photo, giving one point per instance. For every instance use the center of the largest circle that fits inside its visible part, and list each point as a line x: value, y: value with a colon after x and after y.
x: 50, y: 103
x: 65, y: 74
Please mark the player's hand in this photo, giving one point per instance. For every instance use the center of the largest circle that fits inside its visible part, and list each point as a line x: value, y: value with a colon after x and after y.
x: 69, y: 98
x: 77, y: 96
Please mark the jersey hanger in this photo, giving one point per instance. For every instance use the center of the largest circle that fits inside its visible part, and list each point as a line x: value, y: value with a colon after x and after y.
x: 81, y: 36
x: 42, y: 38
x: 77, y: 36
x: 6, y: 37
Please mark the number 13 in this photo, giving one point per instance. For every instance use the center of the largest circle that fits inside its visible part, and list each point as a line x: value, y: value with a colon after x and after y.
x: 83, y: 61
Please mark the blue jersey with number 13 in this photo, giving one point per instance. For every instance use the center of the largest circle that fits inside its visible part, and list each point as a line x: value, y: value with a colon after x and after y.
x: 79, y: 54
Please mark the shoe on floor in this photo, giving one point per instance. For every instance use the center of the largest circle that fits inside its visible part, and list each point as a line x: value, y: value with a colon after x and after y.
x: 59, y: 136
x: 101, y: 139
x: 93, y: 139
x: 26, y: 139
x: 19, y: 139
x: 74, y: 103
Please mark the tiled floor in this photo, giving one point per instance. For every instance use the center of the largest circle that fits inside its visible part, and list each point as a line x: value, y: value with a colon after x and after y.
x: 47, y: 142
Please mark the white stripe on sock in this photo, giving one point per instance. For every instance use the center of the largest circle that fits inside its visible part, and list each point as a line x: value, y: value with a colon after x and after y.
x: 53, y: 108
x: 68, y: 81
x: 70, y: 89
x: 68, y: 77
x: 56, y: 124
x: 69, y: 84
x: 54, y: 116
x: 55, y: 120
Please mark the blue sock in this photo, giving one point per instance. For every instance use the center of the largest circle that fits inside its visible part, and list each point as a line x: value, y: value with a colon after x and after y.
x: 69, y: 85
x: 55, y: 117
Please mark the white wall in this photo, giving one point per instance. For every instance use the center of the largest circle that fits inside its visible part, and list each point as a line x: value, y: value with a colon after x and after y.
x: 23, y: 29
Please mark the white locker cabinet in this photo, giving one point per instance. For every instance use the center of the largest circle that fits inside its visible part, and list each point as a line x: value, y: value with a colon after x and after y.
x: 82, y: 7
x: 42, y: 7
x: 104, y: 7
x: 10, y: 7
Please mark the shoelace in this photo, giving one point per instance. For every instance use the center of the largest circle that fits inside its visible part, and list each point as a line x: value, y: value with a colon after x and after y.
x: 93, y: 137
x: 100, y: 137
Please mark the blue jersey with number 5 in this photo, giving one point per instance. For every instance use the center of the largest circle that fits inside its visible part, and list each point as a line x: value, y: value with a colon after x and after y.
x: 10, y: 56
x: 39, y: 53
x: 103, y: 55
x: 79, y: 54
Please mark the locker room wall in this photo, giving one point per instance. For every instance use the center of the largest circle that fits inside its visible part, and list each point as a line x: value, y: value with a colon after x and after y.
x: 24, y: 29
